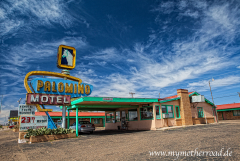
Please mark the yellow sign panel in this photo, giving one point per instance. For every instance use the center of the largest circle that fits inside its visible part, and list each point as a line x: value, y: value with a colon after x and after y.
x: 14, y: 118
x: 47, y: 74
x: 66, y: 57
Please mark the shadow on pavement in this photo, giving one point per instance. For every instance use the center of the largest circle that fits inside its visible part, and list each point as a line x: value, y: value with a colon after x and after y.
x: 113, y: 132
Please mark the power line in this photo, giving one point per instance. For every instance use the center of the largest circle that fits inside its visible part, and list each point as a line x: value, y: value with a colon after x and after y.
x: 223, y: 73
x: 226, y: 96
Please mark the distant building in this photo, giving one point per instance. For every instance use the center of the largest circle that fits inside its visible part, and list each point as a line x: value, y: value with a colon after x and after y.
x: 228, y: 111
x: 13, y: 116
x: 97, y: 118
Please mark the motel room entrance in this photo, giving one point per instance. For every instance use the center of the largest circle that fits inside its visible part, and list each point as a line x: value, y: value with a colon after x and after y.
x: 120, y: 113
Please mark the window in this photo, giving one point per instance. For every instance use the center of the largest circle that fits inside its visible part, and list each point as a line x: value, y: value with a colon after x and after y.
x: 177, y: 112
x: 164, y: 109
x: 146, y: 113
x: 158, y: 116
x: 236, y: 113
x: 132, y: 115
x: 118, y: 116
x: 200, y: 112
x: 110, y: 117
x: 96, y: 121
x: 168, y: 110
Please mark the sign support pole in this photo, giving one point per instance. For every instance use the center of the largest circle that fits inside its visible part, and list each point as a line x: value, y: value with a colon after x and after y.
x: 64, y: 117
x: 68, y: 120
x: 64, y: 71
x: 76, y: 122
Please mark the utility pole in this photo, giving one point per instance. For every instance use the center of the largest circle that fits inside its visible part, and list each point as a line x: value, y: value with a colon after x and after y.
x: 159, y: 94
x: 19, y: 101
x: 131, y: 94
x: 212, y: 100
x: 1, y: 104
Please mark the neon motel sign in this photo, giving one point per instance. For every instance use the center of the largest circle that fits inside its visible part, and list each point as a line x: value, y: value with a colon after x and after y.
x: 48, y: 99
x: 56, y: 91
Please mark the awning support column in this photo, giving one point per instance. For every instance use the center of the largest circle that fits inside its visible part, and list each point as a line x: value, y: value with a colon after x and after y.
x: 76, y: 122
x: 68, y: 120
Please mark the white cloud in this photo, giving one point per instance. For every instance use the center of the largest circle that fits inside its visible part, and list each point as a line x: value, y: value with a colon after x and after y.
x: 223, y: 82
x: 151, y: 69
x: 36, y: 12
x: 108, y: 54
x: 4, y: 116
x: 193, y: 14
x: 30, y: 52
x: 198, y: 54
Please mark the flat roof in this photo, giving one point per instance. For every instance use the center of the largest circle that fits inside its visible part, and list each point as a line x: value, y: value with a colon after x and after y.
x: 112, y: 103
x: 108, y: 103
x: 59, y: 114
x: 228, y: 106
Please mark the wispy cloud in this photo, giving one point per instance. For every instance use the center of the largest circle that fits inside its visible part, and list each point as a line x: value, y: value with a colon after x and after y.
x: 223, y: 82
x: 156, y: 65
x: 15, y: 15
x: 34, y: 51
x: 187, y: 41
x: 108, y: 54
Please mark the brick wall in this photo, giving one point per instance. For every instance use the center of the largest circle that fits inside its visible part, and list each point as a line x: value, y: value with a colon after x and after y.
x: 229, y: 115
x: 203, y: 120
x: 220, y: 115
x: 98, y: 125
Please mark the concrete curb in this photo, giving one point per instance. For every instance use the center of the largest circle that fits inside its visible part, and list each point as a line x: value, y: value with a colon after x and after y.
x: 177, y: 127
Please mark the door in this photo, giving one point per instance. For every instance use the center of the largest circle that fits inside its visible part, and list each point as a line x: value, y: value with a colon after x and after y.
x: 123, y: 119
x: 224, y: 116
x: 200, y: 112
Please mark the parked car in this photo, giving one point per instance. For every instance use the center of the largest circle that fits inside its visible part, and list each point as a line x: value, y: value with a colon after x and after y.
x: 58, y: 123
x: 11, y: 126
x: 84, y: 126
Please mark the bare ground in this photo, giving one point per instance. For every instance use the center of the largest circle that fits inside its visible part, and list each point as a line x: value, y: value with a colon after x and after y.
x: 129, y: 145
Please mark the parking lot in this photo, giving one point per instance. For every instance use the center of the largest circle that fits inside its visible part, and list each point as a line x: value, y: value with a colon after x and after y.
x: 131, y: 145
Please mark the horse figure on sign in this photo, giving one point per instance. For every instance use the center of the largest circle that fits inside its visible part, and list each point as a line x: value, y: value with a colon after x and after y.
x: 68, y: 56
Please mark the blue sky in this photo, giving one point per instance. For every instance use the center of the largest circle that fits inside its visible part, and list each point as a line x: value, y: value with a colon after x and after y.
x: 140, y: 46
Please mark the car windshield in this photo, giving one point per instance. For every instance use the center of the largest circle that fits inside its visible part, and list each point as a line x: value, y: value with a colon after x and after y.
x: 74, y: 124
x: 81, y: 122
x: 84, y: 122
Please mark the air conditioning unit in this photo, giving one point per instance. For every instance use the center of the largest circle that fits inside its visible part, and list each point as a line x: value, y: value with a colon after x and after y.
x: 199, y: 98
x: 165, y: 116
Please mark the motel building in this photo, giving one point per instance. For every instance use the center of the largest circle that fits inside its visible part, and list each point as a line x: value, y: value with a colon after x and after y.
x: 96, y: 118
x: 148, y: 113
x: 229, y: 111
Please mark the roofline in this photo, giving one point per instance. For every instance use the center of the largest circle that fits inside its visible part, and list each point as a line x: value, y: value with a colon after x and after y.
x: 228, y: 104
x: 228, y: 109
x: 114, y: 99
x: 177, y: 98
x: 119, y: 99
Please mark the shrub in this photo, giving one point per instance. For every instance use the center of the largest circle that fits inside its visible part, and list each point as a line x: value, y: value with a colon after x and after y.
x: 16, y: 127
x: 46, y: 131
